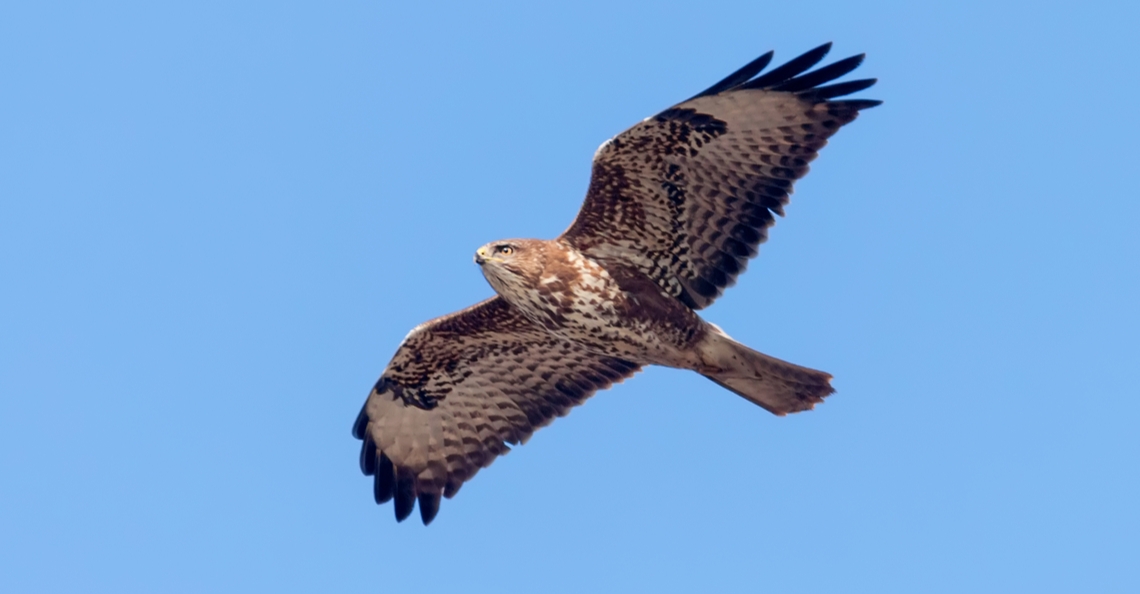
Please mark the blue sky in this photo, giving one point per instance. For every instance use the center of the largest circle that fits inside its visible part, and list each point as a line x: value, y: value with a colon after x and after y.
x: 218, y: 219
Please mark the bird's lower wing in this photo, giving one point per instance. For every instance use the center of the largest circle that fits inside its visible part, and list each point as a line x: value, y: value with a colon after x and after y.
x: 459, y: 389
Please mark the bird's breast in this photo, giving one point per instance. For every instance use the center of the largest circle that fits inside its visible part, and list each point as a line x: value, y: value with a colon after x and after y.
x: 579, y: 299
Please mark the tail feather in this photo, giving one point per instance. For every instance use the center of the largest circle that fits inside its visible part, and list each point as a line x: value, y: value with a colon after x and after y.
x: 777, y: 386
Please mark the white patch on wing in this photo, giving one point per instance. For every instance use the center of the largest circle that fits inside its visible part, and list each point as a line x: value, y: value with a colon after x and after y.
x: 601, y: 148
x: 718, y: 330
x: 413, y: 332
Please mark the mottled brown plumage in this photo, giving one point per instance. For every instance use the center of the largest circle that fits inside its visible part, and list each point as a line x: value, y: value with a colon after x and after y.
x: 677, y: 205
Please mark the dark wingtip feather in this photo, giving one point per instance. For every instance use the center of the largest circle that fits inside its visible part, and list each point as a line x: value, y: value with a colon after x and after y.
x: 739, y: 77
x: 405, y: 498
x: 361, y: 423
x: 856, y: 104
x: 792, y: 68
x: 384, y: 481
x: 429, y: 507
x: 839, y: 89
x: 817, y: 77
x: 368, y: 456
x: 790, y: 77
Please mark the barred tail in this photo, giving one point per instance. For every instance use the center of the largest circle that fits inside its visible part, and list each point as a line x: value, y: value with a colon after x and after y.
x: 777, y: 386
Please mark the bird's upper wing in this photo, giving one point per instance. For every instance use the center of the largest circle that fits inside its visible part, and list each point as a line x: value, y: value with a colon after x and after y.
x: 686, y: 196
x: 459, y: 389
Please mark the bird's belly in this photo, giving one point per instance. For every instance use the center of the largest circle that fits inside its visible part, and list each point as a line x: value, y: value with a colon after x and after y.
x: 612, y: 325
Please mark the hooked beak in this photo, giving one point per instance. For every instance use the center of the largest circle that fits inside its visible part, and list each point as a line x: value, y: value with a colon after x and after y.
x: 481, y: 256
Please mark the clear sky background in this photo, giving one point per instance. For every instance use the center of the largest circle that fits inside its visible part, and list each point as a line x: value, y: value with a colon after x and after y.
x: 218, y: 220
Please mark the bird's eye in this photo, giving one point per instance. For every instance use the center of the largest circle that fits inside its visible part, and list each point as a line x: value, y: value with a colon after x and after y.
x: 505, y: 250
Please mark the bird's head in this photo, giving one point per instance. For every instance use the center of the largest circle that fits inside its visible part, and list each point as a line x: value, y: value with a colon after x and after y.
x: 510, y: 262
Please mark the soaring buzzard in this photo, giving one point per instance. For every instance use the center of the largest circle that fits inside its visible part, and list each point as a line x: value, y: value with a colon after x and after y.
x: 677, y: 205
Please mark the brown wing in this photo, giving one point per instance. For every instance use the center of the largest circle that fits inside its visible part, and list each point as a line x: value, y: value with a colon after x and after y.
x: 686, y: 196
x: 458, y: 390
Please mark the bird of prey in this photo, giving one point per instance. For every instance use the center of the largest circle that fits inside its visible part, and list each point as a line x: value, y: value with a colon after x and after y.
x: 676, y: 207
